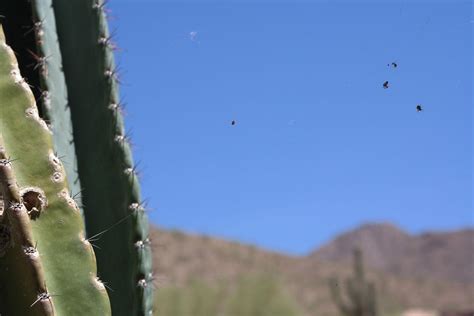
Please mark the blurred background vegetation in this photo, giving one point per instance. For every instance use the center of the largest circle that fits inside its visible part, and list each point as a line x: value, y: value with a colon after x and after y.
x: 198, y: 275
x: 259, y: 295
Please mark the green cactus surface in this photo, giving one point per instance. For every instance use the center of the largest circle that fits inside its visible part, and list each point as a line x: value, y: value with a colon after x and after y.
x: 30, y: 26
x: 20, y: 268
x: 55, y: 228
x: 54, y: 103
x: 113, y: 208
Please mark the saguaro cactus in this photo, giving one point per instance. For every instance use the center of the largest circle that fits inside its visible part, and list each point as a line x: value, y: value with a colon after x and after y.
x: 361, y: 296
x: 106, y: 166
x: 46, y: 230
x: 66, y: 63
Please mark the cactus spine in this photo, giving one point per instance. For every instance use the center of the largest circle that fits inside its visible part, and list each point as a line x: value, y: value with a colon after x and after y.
x: 360, y: 293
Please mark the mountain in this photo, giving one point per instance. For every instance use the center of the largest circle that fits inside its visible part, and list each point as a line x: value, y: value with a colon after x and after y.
x: 439, y: 255
x: 429, y: 271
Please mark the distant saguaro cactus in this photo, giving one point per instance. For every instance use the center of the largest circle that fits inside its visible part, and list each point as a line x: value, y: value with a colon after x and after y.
x: 360, y: 294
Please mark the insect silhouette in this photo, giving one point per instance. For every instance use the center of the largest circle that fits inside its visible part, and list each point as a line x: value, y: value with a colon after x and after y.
x: 393, y: 64
x: 385, y: 85
x: 419, y: 108
x: 232, y: 123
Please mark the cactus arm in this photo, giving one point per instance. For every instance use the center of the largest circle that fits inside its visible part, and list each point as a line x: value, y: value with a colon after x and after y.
x: 371, y: 300
x: 106, y: 168
x: 57, y: 229
x: 21, y: 270
x: 355, y: 293
x: 336, y: 294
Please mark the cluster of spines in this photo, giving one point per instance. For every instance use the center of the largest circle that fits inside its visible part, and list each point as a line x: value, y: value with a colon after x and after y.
x: 41, y: 59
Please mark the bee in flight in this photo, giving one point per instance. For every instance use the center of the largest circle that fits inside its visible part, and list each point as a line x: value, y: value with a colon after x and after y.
x: 385, y: 85
x: 232, y: 123
x: 419, y: 108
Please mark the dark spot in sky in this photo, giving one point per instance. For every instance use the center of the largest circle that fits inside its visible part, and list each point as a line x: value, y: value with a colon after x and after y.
x: 419, y: 108
x: 385, y: 85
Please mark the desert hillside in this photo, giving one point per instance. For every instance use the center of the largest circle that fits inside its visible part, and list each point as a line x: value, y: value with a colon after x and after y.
x: 183, y: 259
x: 440, y: 255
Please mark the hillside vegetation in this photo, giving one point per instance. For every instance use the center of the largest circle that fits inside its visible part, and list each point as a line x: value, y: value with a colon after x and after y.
x: 200, y: 275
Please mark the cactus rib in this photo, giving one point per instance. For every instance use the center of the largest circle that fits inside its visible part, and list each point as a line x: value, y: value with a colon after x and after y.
x: 106, y: 167
x: 54, y: 98
x: 30, y: 29
x: 57, y: 229
x: 21, y: 269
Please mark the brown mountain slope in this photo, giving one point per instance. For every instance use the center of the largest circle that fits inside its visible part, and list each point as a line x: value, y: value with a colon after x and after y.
x: 440, y: 255
x: 181, y: 258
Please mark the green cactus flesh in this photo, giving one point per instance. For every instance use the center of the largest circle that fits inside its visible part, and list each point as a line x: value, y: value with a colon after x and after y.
x: 53, y: 84
x: 56, y: 225
x: 111, y: 190
x: 23, y: 283
x: 30, y: 26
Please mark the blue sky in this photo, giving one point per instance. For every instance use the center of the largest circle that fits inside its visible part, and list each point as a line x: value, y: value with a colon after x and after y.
x: 319, y: 146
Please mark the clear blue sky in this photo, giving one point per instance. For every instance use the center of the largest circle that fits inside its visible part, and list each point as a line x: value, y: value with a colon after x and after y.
x: 319, y: 145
